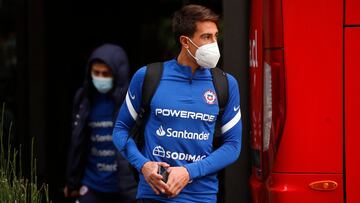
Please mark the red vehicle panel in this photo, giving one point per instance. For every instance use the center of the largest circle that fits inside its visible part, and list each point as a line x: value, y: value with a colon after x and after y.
x: 294, y: 188
x: 352, y: 9
x: 352, y: 112
x: 273, y: 24
x: 312, y: 138
x: 297, y: 101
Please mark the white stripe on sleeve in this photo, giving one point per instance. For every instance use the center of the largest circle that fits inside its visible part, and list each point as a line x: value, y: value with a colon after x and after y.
x: 130, y: 107
x: 231, y: 123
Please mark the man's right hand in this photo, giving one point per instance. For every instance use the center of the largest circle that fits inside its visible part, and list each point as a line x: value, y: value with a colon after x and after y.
x: 149, y: 170
x: 68, y: 193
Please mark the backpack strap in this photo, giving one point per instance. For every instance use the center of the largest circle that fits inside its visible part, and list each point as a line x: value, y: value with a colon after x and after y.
x: 221, y: 86
x: 151, y: 81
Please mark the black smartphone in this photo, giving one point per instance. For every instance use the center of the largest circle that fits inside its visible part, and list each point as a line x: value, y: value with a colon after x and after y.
x: 162, y: 171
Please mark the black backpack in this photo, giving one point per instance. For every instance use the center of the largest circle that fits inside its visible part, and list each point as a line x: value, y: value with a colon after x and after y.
x: 152, y: 79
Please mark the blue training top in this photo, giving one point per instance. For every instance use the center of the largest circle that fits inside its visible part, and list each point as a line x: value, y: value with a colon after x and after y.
x: 101, y: 172
x: 180, y: 129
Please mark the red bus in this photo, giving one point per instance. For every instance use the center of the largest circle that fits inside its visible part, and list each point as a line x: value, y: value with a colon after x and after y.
x: 305, y: 100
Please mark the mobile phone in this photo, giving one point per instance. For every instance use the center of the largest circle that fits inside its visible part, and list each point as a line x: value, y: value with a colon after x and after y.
x: 163, y: 172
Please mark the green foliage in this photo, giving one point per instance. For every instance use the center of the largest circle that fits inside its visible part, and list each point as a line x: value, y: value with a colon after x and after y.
x: 13, y: 186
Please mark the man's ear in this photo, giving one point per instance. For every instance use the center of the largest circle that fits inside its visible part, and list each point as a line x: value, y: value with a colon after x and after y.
x: 184, y: 41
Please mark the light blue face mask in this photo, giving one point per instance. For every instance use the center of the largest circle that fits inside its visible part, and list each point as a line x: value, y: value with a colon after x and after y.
x: 103, y: 85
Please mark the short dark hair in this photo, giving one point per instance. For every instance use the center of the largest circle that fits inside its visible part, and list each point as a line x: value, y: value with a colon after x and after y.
x: 184, y: 20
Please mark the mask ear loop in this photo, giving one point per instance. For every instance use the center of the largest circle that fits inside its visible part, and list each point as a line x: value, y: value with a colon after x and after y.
x: 187, y: 49
x: 192, y: 42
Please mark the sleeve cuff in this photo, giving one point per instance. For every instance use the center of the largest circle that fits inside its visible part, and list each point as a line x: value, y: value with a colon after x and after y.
x: 141, y: 163
x: 193, y: 170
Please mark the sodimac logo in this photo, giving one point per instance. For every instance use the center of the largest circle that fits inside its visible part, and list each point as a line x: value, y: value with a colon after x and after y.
x: 161, y: 152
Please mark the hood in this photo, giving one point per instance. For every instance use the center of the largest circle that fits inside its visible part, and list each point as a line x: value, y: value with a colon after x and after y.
x: 116, y: 58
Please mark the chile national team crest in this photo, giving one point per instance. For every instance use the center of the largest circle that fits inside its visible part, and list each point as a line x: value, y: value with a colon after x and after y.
x: 210, y: 97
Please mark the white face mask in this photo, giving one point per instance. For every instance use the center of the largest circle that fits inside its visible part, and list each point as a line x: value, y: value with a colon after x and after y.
x: 103, y: 85
x: 207, y: 55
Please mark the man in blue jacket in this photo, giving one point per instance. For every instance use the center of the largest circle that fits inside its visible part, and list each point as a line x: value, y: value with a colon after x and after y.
x: 96, y: 171
x: 179, y: 131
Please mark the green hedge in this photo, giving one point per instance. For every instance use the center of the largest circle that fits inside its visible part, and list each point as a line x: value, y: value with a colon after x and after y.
x: 14, y: 187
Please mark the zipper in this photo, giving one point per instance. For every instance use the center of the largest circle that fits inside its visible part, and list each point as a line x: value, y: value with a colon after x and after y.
x: 191, y: 76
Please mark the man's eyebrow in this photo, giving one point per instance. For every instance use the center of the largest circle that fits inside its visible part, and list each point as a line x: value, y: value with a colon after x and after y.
x: 204, y: 34
x: 208, y: 33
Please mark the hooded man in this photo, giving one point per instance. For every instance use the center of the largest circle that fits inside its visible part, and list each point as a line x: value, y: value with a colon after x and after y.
x: 96, y: 172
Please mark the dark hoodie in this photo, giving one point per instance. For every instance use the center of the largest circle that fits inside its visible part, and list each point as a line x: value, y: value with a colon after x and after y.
x: 114, y: 57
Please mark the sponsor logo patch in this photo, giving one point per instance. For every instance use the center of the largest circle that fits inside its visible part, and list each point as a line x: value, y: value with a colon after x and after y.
x: 160, y: 131
x: 185, y: 114
x: 183, y: 134
x: 107, y: 167
x: 210, y: 97
x: 101, y: 124
x: 161, y: 152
